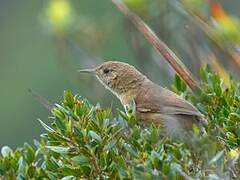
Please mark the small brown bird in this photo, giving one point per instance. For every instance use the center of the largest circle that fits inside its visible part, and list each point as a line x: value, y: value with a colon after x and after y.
x: 153, y: 103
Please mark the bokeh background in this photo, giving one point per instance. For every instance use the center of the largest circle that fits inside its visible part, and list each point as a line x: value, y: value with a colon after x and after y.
x: 43, y: 44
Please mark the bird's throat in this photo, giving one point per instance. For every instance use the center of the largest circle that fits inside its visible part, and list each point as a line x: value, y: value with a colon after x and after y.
x: 127, y: 97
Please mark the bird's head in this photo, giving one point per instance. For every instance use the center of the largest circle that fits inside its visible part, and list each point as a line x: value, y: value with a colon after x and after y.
x: 117, y: 76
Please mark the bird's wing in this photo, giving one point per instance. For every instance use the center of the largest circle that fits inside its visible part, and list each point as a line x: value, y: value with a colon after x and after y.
x: 160, y: 100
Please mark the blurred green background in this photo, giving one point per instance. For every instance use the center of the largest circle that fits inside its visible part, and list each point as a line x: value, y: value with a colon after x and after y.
x: 44, y: 43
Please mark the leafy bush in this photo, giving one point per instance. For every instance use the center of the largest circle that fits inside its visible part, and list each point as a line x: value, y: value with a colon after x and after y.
x: 85, y: 141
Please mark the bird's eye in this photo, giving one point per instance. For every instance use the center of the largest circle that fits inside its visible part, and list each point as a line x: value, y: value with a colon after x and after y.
x: 106, y: 71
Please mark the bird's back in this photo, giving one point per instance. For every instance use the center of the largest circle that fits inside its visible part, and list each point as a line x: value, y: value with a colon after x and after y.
x: 159, y: 105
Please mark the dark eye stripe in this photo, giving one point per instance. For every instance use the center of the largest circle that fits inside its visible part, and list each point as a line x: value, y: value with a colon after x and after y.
x: 106, y: 71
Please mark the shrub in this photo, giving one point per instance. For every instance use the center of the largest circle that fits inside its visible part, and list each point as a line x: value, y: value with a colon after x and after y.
x: 86, y: 141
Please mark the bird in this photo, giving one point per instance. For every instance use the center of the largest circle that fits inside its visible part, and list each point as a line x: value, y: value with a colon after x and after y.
x: 153, y: 103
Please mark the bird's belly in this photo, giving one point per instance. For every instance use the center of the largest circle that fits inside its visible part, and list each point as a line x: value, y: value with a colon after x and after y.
x: 169, y: 123
x: 148, y: 117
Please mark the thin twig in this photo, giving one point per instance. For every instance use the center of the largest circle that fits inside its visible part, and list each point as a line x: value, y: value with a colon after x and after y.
x: 160, y: 46
x: 49, y: 106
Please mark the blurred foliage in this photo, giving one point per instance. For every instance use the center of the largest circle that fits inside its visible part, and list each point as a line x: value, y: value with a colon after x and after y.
x: 59, y: 14
x: 86, y: 141
x: 221, y: 28
x: 138, y: 6
x: 226, y: 27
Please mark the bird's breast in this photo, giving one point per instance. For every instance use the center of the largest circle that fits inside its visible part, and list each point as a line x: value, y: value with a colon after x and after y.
x: 127, y: 98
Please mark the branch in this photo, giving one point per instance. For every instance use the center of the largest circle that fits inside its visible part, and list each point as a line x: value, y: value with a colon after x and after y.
x: 41, y: 100
x: 160, y: 46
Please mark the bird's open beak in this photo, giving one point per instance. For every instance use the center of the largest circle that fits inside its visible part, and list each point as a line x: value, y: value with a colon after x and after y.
x: 91, y: 71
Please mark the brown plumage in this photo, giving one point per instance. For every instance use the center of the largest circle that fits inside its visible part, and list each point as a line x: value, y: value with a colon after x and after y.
x: 153, y: 102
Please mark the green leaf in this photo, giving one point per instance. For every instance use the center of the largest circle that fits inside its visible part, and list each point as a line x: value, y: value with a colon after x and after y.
x: 68, y: 178
x: 217, y: 85
x: 132, y: 121
x: 31, y: 170
x: 78, y: 132
x: 110, y: 145
x: 58, y: 137
x: 82, y: 160
x: 95, y: 136
x: 119, y: 161
x: 178, y: 83
x: 21, y: 176
x: 37, y: 144
x: 30, y: 153
x: 51, y: 164
x: 69, y: 171
x: 122, y: 114
x: 155, y: 160
x: 21, y: 165
x: 94, y: 126
x: 130, y: 150
x: 46, y: 127
x: 122, y: 172
x: 203, y: 74
x: 59, y: 149
x: 59, y: 112
x: 234, y: 116
x: 52, y: 175
x: 154, y: 134
x: 68, y: 99
x: 60, y: 124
